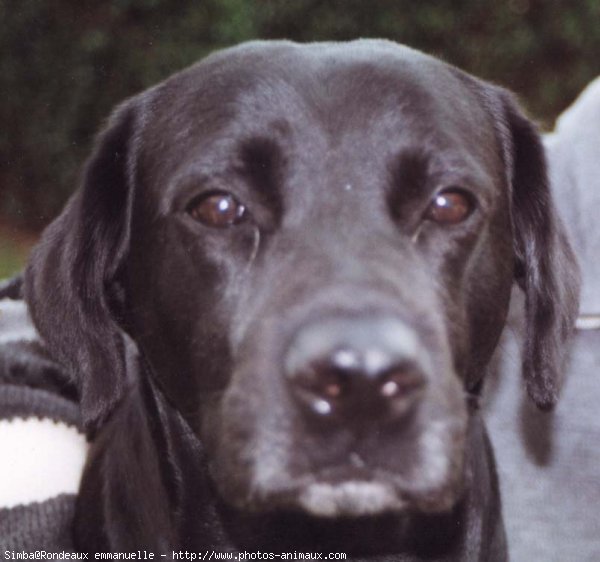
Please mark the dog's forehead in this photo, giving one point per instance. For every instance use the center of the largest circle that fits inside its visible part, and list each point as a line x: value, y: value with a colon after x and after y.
x: 372, y: 97
x: 327, y: 80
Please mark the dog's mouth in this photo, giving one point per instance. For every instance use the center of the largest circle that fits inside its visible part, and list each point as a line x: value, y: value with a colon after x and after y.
x: 347, y: 492
x: 342, y: 493
x: 356, y: 486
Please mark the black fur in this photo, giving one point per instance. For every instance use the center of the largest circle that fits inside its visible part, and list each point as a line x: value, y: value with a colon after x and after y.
x: 177, y: 334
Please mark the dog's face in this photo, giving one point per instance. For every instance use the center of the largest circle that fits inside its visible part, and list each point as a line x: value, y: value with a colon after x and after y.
x: 326, y: 244
x: 313, y: 248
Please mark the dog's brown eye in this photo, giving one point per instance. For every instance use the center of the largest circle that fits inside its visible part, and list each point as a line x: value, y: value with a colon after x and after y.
x: 218, y: 210
x: 449, y: 207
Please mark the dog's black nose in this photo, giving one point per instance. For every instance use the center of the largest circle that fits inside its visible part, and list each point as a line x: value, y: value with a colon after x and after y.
x: 356, y: 369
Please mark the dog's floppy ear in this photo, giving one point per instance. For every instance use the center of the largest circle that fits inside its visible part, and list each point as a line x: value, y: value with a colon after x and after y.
x: 546, y: 268
x: 71, y: 280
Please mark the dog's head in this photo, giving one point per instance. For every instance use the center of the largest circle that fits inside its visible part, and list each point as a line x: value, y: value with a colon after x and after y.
x: 313, y: 248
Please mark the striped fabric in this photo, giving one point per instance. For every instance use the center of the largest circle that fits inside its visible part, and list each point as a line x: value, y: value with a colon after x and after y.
x: 40, y: 436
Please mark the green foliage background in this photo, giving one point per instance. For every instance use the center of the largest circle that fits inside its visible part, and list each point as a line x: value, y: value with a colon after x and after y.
x: 65, y: 63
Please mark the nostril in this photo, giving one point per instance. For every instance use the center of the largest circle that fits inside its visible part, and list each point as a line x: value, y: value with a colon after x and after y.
x: 337, y: 375
x: 326, y: 382
x: 335, y: 384
x: 401, y: 381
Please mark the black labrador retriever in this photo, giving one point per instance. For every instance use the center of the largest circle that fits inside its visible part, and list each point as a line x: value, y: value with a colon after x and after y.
x: 278, y: 288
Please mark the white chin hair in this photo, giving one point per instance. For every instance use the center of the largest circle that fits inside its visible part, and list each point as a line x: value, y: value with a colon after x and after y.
x: 349, y: 499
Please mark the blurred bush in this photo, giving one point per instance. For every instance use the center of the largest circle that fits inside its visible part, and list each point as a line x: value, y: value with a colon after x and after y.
x: 66, y: 63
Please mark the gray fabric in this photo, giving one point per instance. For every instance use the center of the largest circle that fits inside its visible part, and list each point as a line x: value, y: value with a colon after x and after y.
x: 574, y: 155
x: 549, y: 464
x: 39, y: 526
x: 15, y: 324
x: 21, y: 401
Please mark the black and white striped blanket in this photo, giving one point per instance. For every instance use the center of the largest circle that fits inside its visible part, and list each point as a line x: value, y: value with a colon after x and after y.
x: 43, y: 449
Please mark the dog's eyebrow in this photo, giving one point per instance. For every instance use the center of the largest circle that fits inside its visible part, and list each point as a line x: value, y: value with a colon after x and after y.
x: 409, y: 175
x: 260, y: 163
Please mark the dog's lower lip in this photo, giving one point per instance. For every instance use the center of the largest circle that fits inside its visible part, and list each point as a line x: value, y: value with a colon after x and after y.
x: 345, y: 473
x: 385, y: 495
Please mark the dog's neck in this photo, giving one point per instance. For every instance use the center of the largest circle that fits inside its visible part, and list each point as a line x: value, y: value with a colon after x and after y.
x: 195, y: 520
